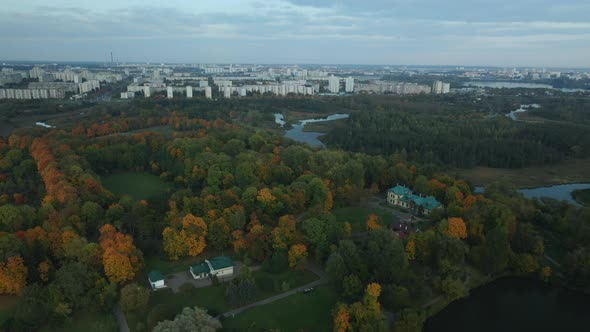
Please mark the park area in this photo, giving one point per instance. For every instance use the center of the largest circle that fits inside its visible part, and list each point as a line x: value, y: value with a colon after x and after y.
x: 299, y: 312
x: 137, y: 185
x: 165, y: 304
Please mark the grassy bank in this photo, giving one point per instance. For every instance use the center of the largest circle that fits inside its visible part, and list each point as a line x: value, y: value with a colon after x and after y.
x: 571, y: 171
x: 582, y: 196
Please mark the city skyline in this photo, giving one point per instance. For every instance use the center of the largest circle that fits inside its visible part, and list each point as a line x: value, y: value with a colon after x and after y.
x: 523, y: 34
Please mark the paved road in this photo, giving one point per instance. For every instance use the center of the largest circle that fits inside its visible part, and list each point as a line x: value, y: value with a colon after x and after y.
x: 120, y: 317
x: 322, y: 280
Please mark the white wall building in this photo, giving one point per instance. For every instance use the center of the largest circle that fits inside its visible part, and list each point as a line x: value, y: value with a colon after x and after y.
x: 189, y: 91
x: 208, y: 92
x: 169, y: 92
x: 349, y: 85
x: 333, y: 84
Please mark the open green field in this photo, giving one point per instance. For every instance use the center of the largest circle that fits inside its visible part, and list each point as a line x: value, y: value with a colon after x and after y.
x: 88, y: 322
x: 582, y: 196
x: 572, y: 171
x: 136, y: 185
x: 359, y: 215
x: 299, y: 312
x: 213, y: 298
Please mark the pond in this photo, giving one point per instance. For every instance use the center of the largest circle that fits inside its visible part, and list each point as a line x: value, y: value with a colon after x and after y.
x: 561, y: 192
x: 296, y: 133
x: 523, y: 108
x: 515, y: 304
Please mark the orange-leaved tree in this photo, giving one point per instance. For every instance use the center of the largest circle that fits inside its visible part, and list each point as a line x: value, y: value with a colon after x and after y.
x: 121, y: 260
x: 298, y: 256
x: 13, y: 275
x: 341, y: 318
x: 456, y: 228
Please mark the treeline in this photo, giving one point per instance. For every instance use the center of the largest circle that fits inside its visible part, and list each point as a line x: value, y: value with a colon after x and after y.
x: 460, y: 141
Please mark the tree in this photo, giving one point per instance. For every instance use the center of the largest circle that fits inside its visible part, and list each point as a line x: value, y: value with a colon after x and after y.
x: 134, y: 298
x: 196, y: 230
x: 373, y: 222
x: 456, y: 228
x: 341, y: 318
x: 190, y: 320
x: 219, y: 234
x: 351, y: 287
x: 13, y: 275
x: 121, y: 260
x: 453, y: 288
x: 298, y: 256
x: 408, y: 320
x: 411, y: 250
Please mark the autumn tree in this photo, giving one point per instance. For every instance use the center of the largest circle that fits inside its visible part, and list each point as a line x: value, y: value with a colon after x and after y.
x: 373, y: 222
x: 13, y: 275
x: 134, y: 298
x: 298, y: 256
x: 341, y: 319
x: 456, y: 228
x: 185, y: 237
x: 121, y: 260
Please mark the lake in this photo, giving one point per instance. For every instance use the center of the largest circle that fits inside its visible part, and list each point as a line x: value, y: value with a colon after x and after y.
x: 515, y: 304
x: 512, y: 85
x: 296, y: 133
x: 561, y: 192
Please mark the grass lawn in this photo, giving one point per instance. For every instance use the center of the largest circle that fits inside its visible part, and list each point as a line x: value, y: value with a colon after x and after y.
x: 213, y: 298
x: 359, y: 215
x: 571, y: 171
x: 136, y: 185
x: 7, y: 304
x: 88, y: 322
x: 299, y: 312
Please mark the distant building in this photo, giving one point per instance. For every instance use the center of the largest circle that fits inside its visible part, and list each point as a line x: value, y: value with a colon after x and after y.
x: 146, y: 91
x: 208, y: 92
x: 226, y: 92
x: 217, y: 266
x: 169, y: 92
x: 437, y: 87
x: 402, y: 196
x: 333, y: 84
x: 349, y: 85
x: 189, y: 91
x: 446, y: 88
x: 203, y: 84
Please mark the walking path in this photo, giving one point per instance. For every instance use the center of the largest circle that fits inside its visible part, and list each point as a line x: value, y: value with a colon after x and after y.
x: 322, y: 280
x: 120, y: 317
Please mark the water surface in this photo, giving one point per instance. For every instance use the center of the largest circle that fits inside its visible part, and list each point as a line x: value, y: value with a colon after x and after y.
x: 561, y: 192
x: 296, y: 133
x: 514, y: 304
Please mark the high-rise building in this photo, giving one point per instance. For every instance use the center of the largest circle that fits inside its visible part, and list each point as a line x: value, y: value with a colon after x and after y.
x: 227, y: 92
x: 189, y: 91
x: 203, y: 84
x: 333, y: 84
x: 349, y: 85
x: 169, y: 92
x: 208, y: 92
x: 146, y: 91
x: 446, y: 88
x: 437, y: 87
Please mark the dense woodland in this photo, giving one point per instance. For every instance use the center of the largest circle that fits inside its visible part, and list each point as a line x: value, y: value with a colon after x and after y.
x: 464, y: 138
x: 69, y: 245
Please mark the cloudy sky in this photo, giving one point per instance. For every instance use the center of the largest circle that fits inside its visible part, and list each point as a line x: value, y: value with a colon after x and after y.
x: 431, y: 32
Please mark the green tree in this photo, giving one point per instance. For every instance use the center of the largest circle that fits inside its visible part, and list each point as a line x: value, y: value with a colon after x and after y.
x: 190, y: 320
x: 134, y: 298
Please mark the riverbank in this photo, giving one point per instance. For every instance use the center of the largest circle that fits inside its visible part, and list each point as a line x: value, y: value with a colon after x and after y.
x: 571, y: 171
x: 582, y: 196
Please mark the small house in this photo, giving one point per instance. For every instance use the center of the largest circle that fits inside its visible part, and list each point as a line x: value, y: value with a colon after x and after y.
x: 403, y: 197
x: 156, y: 279
x: 219, y: 266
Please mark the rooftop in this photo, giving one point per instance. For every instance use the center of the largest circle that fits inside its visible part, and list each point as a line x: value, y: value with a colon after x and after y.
x: 155, y: 275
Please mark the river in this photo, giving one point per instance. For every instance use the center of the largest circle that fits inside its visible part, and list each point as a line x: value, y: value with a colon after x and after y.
x: 521, y: 109
x: 512, y: 85
x: 560, y: 192
x: 515, y: 304
x: 296, y: 133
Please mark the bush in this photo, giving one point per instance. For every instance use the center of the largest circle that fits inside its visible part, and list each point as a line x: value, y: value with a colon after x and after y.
x: 265, y: 283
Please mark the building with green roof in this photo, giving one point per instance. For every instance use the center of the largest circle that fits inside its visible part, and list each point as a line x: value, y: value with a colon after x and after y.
x: 219, y: 266
x: 403, y: 197
x: 156, y: 279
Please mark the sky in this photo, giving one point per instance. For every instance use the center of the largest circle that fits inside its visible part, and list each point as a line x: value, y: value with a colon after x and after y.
x: 505, y: 33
